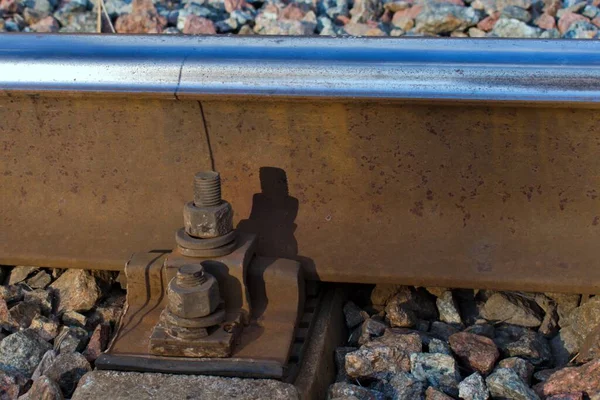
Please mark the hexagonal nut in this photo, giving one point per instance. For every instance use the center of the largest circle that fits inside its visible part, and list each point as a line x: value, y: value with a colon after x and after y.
x: 208, y: 222
x: 196, y: 301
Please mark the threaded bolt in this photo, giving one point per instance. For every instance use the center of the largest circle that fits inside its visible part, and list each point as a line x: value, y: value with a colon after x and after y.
x: 190, y: 275
x: 207, y: 189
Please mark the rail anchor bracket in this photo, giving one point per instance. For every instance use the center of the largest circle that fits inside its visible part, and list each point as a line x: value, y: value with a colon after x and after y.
x: 215, y: 308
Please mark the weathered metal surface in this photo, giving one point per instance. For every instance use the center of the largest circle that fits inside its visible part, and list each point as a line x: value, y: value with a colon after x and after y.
x: 264, y: 346
x: 460, y: 194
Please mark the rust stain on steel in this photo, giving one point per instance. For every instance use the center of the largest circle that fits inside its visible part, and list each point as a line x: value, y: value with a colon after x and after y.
x: 465, y: 196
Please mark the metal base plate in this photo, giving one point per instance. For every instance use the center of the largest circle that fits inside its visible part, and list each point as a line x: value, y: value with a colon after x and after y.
x: 266, y: 346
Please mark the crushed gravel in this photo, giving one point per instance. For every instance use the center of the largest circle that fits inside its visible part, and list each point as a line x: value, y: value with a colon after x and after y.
x: 546, y: 19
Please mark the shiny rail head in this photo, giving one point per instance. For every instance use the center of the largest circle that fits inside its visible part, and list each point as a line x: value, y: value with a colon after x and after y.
x: 302, y: 67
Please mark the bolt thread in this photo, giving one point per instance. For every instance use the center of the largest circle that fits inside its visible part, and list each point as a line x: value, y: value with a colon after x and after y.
x: 190, y: 275
x: 207, y: 189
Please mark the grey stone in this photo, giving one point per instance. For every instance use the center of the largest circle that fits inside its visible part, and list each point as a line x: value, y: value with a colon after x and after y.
x: 40, y: 280
x: 517, y: 13
x: 448, y: 308
x: 11, y: 293
x: 76, y: 22
x: 70, y: 339
x: 371, y: 328
x: 387, y: 354
x: 265, y: 25
x: 21, y: 352
x: 353, y: 314
x: 76, y: 290
x: 11, y: 26
x: 512, y: 308
x: 438, y: 370
x: 116, y: 8
x: 19, y: 274
x: 366, y: 10
x: 326, y: 27
x: 543, y: 374
x: 491, y: 6
x: 439, y: 346
x: 342, y: 389
x: 575, y: 329
x: 575, y: 8
x: 522, y: 367
x: 550, y: 34
x: 102, y: 385
x: 590, y: 11
x: 581, y: 30
x: 46, y: 328
x: 439, y: 18
x: 549, y: 325
x: 355, y: 336
x: 67, y: 369
x: 515, y: 341
x: 404, y: 386
x: 109, y: 311
x: 566, y: 303
x: 43, y: 388
x: 422, y: 325
x: 513, y: 28
x: 45, y: 363
x: 504, y: 383
x: 41, y: 297
x: 171, y: 31
x: 333, y: 8
x: 73, y: 318
x: 473, y: 388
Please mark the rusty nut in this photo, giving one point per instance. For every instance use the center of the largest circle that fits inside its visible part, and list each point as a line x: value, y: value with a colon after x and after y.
x: 194, y: 301
x: 208, y: 222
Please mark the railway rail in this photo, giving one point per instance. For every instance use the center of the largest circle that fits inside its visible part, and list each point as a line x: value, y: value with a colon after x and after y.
x: 436, y: 162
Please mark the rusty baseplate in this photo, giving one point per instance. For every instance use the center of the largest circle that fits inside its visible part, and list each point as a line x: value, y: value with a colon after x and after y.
x: 270, y: 293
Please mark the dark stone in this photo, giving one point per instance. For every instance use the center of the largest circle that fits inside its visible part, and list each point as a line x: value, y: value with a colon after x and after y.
x: 340, y: 362
x: 442, y: 330
x: 504, y: 383
x: 522, y: 367
x: 437, y: 370
x: 515, y: 341
x: 353, y: 314
x: 66, y: 370
x: 70, y: 339
x: 342, y: 390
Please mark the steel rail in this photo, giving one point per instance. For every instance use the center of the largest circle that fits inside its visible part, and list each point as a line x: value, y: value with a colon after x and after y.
x: 361, y: 68
x: 406, y: 160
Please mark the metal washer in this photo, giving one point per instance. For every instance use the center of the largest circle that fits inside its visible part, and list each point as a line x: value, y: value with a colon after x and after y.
x: 184, y: 240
